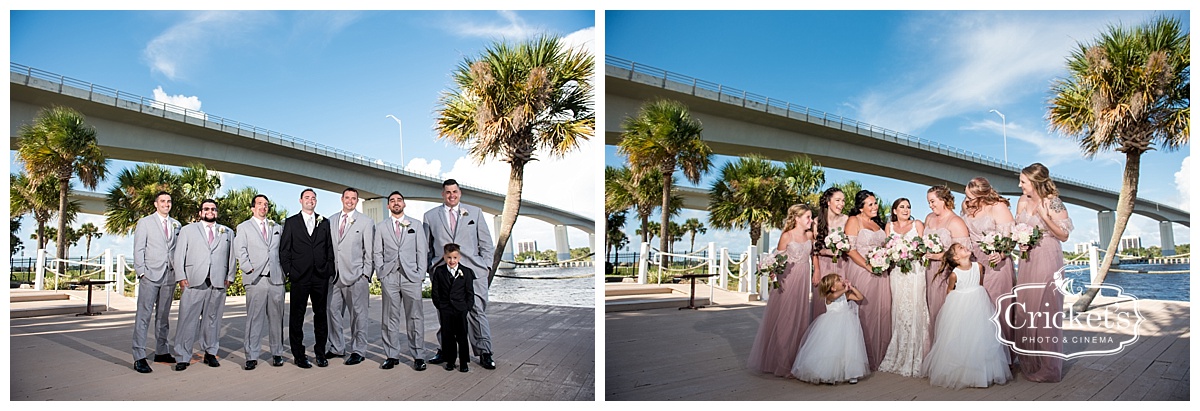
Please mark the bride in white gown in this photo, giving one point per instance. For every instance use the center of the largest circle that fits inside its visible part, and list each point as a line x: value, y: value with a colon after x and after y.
x: 910, y: 315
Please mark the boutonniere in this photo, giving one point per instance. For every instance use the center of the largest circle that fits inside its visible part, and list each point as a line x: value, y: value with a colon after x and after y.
x: 271, y: 223
x: 464, y: 213
x: 405, y: 223
x: 320, y: 219
x: 350, y: 221
x: 175, y: 225
x: 221, y: 230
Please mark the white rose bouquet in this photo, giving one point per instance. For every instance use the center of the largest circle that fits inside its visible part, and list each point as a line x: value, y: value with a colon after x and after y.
x: 994, y: 242
x: 1024, y: 236
x: 837, y: 242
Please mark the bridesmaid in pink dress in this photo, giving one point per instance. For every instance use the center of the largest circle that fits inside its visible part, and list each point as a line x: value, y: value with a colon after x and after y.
x: 985, y: 211
x: 787, y: 315
x: 828, y: 217
x: 865, y: 229
x: 1040, y: 206
x: 950, y: 228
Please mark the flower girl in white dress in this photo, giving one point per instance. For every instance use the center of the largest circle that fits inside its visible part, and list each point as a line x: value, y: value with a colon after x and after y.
x: 965, y: 351
x: 833, y: 350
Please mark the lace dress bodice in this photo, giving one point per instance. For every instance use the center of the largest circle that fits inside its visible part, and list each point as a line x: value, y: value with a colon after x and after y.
x: 867, y: 239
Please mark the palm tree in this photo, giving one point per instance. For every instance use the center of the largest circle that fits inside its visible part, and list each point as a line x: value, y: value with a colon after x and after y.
x: 1128, y: 90
x: 649, y: 231
x: 236, y: 207
x: 676, y: 232
x: 40, y: 199
x: 131, y: 196
x: 89, y: 231
x: 14, y: 242
x: 664, y: 138
x: 613, y: 236
x: 515, y: 100
x: 693, y: 226
x: 59, y: 145
x: 622, y: 190
x: 753, y: 192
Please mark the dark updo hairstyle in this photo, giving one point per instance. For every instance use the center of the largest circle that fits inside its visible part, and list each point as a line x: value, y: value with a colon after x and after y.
x: 859, y: 200
x: 892, y: 215
x: 823, y: 217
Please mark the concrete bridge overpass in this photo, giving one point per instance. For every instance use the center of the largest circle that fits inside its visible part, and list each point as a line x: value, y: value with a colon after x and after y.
x: 737, y: 123
x: 135, y: 128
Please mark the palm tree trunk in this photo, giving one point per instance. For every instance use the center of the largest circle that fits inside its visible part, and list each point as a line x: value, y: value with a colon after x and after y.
x: 1129, y: 188
x: 755, y: 232
x: 664, y: 240
x: 692, y: 246
x: 88, y: 247
x: 512, y: 206
x: 41, y: 234
x: 60, y: 243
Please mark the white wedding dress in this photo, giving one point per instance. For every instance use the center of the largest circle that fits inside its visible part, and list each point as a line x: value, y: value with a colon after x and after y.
x: 910, y: 320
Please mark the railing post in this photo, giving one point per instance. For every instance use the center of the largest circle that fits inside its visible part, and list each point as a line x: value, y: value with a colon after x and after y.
x: 39, y: 279
x: 643, y: 254
x: 108, y: 269
x: 1093, y: 258
x: 724, y: 268
x: 712, y: 269
x: 749, y: 268
x: 120, y: 271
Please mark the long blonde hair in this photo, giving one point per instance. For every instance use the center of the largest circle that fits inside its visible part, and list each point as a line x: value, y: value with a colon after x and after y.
x: 985, y: 195
x: 1039, y: 176
x: 794, y: 212
x: 826, y: 283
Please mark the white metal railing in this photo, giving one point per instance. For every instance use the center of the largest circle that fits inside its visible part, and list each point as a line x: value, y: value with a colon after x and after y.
x: 103, y: 264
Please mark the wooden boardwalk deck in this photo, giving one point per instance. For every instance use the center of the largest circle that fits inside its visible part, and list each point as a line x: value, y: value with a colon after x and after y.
x: 542, y: 353
x: 670, y: 354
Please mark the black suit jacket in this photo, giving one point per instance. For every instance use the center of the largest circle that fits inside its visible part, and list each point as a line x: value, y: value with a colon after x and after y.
x: 453, y: 294
x: 306, y: 258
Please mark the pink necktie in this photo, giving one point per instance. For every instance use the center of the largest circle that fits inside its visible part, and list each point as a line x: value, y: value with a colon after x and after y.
x: 397, y: 228
x: 166, y: 233
x: 342, y: 227
x: 210, y: 235
x: 264, y: 229
x: 453, y: 220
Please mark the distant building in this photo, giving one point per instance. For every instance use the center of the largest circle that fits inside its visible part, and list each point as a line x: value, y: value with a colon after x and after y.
x: 524, y: 246
x: 1130, y: 242
x: 1081, y: 248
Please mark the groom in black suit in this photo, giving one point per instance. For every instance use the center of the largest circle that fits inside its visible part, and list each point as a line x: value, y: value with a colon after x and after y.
x: 306, y: 255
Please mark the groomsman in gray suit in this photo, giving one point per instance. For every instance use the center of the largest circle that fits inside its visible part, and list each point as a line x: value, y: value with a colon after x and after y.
x: 256, y: 248
x: 153, y: 245
x: 353, y: 257
x: 462, y: 224
x: 204, y: 268
x: 400, y: 259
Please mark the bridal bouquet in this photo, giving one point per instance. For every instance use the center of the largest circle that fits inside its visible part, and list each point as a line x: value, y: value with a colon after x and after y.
x: 1024, y: 235
x: 903, y: 251
x: 837, y: 242
x: 994, y: 242
x: 878, y: 260
x: 931, y: 244
x: 773, y: 264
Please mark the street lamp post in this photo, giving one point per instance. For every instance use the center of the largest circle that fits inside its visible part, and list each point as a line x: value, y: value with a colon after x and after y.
x: 1003, y: 127
x: 402, y: 165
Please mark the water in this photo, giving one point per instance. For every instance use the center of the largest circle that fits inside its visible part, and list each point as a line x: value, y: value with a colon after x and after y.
x: 574, y: 292
x: 1174, y: 287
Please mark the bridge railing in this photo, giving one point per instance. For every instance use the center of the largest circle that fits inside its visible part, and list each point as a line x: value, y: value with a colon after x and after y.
x: 747, y: 99
x: 145, y: 105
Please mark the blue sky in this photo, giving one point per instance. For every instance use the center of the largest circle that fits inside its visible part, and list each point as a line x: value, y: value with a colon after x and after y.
x: 931, y: 74
x: 330, y: 77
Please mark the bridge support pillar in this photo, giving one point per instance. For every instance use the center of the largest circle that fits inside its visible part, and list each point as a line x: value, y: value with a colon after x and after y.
x: 376, y: 208
x: 764, y: 241
x: 1107, y: 219
x: 1167, y: 234
x: 508, y: 247
x: 560, y: 243
x: 592, y: 242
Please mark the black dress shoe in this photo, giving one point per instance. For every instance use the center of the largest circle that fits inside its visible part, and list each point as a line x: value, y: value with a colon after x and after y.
x: 211, y: 360
x: 277, y: 361
x: 167, y: 358
x: 419, y: 364
x: 486, y: 361
x: 437, y: 358
x: 354, y: 359
x: 389, y: 363
x: 449, y: 366
x: 321, y: 362
x: 251, y: 364
x: 180, y: 366
x: 144, y: 368
x: 302, y: 362
x: 331, y: 355
x: 463, y: 367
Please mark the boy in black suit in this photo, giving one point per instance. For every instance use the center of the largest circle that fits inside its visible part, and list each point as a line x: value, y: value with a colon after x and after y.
x: 453, y: 296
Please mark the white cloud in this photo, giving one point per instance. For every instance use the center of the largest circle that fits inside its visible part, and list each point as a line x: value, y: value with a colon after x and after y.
x: 512, y: 27
x: 1052, y: 150
x: 583, y: 38
x: 184, y: 45
x: 1183, y: 183
x: 423, y: 166
x: 191, y: 103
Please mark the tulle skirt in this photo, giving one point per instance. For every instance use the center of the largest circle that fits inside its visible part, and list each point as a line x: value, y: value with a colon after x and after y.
x: 966, y: 352
x: 833, y: 349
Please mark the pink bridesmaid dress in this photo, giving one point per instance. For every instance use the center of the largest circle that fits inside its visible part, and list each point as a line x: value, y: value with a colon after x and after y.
x: 935, y: 284
x: 1045, y: 259
x: 875, y: 310
x: 999, y: 280
x: 827, y: 267
x: 787, y: 316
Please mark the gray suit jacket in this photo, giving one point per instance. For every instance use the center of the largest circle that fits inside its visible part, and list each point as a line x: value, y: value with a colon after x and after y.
x: 407, y: 254
x: 472, y: 235
x: 151, y: 252
x: 196, y: 260
x: 353, y: 253
x: 258, y: 256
